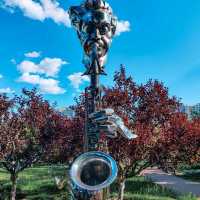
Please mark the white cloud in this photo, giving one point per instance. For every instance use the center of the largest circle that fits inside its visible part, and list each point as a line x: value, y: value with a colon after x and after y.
x: 40, y: 10
x: 40, y: 74
x: 122, y: 26
x: 46, y: 85
x: 13, y: 61
x: 77, y: 79
x: 33, y: 54
x: 6, y: 90
x: 28, y: 67
x: 53, y: 11
x: 51, y: 66
x: 28, y: 78
x: 31, y: 9
x: 1, y: 76
x: 50, y: 9
x: 47, y: 66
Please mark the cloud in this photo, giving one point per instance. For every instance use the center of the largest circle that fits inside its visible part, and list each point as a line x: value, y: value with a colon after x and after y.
x: 28, y: 67
x: 40, y: 10
x: 77, y: 79
x: 13, y: 61
x: 46, y: 85
x: 1, y: 76
x: 47, y: 66
x: 33, y: 54
x: 6, y: 90
x: 40, y: 74
x: 31, y: 9
x: 53, y: 11
x: 122, y: 26
x: 50, y: 9
x: 51, y: 66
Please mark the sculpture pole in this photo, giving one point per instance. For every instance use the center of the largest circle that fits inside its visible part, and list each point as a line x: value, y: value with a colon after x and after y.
x: 96, y: 26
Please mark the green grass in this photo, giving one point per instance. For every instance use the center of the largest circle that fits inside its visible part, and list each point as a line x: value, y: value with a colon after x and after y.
x: 191, y: 175
x: 34, y: 183
x: 189, y: 167
x: 138, y: 188
x: 38, y: 184
x: 190, y: 172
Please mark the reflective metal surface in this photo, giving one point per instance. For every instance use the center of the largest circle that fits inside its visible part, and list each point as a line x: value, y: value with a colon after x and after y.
x: 93, y: 171
x: 96, y: 26
x: 111, y: 124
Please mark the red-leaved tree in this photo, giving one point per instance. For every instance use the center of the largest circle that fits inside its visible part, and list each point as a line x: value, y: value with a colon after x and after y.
x: 23, y: 133
x: 164, y: 134
x: 145, y: 109
x: 178, y: 143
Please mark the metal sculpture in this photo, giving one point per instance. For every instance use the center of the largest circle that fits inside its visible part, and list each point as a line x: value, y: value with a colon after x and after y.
x: 111, y: 124
x: 96, y: 26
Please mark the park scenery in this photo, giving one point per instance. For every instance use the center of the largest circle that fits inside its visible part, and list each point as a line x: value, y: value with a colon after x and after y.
x: 109, y: 131
x: 38, y: 143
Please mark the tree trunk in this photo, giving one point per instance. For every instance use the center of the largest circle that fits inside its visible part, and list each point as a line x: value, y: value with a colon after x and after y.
x: 98, y: 196
x: 121, y: 190
x: 13, y: 179
x: 106, y: 193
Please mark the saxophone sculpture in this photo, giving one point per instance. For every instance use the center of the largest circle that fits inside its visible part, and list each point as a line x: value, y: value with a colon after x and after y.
x: 92, y: 171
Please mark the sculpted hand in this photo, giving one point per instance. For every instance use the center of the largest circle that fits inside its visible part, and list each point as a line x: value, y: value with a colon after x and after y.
x: 111, y: 124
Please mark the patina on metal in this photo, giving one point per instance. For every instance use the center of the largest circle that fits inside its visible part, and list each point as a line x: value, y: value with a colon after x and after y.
x: 95, y: 25
x: 92, y: 171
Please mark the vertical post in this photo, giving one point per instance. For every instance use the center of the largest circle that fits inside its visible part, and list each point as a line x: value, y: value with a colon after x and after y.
x: 93, y: 99
x: 95, y: 26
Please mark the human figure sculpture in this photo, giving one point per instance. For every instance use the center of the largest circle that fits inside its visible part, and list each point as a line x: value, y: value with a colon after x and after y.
x: 96, y: 26
x: 111, y: 124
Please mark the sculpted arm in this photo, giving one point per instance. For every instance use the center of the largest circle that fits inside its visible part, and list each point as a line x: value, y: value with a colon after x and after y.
x: 111, y: 124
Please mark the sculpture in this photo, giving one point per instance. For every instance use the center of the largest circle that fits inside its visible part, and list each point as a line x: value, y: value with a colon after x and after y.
x: 111, y: 124
x: 96, y: 26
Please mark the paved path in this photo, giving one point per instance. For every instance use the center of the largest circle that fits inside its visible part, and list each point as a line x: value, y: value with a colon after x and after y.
x: 172, y: 182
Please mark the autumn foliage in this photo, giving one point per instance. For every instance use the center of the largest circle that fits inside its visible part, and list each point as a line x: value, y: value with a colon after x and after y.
x: 178, y: 143
x: 32, y: 130
x: 166, y: 138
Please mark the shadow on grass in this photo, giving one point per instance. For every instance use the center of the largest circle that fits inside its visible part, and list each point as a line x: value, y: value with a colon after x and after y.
x: 5, y: 192
x: 33, y: 184
x: 47, y: 192
x: 138, y: 188
x: 38, y: 184
x: 194, y: 176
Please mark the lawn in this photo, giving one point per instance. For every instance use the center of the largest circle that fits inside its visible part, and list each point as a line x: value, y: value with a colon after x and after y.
x: 38, y: 183
x: 192, y: 175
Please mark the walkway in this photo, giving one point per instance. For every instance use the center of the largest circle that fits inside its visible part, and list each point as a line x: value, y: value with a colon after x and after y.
x: 172, y: 182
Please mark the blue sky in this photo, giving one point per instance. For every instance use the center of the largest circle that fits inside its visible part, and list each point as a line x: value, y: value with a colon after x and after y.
x: 158, y: 39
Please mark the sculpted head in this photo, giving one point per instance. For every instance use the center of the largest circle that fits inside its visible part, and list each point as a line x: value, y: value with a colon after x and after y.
x: 96, y: 26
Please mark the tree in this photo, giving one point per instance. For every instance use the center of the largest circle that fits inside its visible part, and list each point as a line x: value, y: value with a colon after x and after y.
x: 66, y: 144
x: 194, y: 141
x: 5, y: 104
x: 195, y: 114
x: 22, y: 132
x: 165, y: 136
x: 67, y: 140
x: 145, y: 110
x: 178, y: 143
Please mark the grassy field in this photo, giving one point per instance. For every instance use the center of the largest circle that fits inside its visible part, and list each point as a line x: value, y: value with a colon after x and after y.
x: 38, y: 183
x: 192, y: 175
